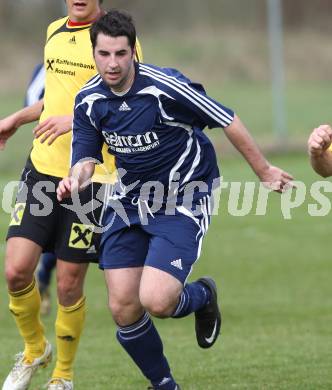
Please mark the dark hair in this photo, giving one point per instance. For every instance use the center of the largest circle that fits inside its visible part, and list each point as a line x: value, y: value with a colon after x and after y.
x: 114, y: 24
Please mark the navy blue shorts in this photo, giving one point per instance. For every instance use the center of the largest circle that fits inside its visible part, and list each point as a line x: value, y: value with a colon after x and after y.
x: 171, y: 243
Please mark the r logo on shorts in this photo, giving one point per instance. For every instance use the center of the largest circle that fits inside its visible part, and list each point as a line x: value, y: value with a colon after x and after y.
x: 17, y: 214
x: 80, y: 236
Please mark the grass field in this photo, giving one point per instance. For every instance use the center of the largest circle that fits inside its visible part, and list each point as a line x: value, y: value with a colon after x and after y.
x: 275, y: 281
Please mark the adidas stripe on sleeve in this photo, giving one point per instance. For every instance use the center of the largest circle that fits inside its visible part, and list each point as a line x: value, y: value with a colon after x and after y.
x: 191, y: 95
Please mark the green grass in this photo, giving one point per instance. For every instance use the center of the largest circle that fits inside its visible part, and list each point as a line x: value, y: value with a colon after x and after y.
x: 274, y: 276
x: 306, y: 106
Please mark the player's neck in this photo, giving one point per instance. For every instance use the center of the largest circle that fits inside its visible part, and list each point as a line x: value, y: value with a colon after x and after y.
x: 74, y: 21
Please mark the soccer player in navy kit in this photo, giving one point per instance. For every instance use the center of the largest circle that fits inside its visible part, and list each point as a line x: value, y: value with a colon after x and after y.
x: 69, y: 63
x: 152, y: 119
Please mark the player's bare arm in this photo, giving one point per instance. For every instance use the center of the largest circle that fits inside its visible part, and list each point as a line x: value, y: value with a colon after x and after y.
x: 53, y: 127
x: 79, y: 178
x: 273, y: 177
x: 11, y: 123
x: 318, y: 148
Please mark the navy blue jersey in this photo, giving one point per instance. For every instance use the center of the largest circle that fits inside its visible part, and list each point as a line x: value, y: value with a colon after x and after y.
x: 154, y: 130
x: 36, y: 87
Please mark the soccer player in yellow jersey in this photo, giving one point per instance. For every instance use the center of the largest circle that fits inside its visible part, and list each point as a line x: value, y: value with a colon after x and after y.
x: 39, y: 223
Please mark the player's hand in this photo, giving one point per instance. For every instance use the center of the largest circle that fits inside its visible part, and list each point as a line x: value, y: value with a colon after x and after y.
x: 8, y: 127
x: 319, y: 140
x: 65, y: 188
x: 53, y: 127
x: 276, y: 179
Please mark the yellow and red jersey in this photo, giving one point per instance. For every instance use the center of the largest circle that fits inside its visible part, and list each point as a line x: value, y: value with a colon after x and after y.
x: 69, y: 64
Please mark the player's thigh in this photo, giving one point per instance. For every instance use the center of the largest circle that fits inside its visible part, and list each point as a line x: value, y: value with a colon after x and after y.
x: 71, y: 271
x: 123, y: 284
x: 123, y: 294
x: 70, y: 281
x: 159, y: 291
x: 123, y: 254
x: 71, y: 274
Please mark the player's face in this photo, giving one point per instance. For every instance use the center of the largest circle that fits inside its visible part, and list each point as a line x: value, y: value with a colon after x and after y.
x: 115, y: 61
x: 82, y: 10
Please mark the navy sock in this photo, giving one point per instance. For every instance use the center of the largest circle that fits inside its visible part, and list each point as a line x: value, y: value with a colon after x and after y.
x: 47, y: 263
x: 142, y: 342
x: 193, y: 297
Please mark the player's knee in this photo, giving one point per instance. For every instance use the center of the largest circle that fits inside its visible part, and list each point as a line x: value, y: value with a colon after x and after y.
x: 20, y: 263
x: 69, y: 291
x: 156, y: 305
x: 70, y: 282
x: 17, y: 277
x: 118, y: 312
x: 125, y: 312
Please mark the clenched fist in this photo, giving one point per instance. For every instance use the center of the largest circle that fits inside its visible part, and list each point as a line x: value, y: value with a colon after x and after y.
x: 320, y: 140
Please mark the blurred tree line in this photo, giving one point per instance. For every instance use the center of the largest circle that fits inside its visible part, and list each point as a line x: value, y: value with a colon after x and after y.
x: 194, y: 35
x: 28, y: 16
